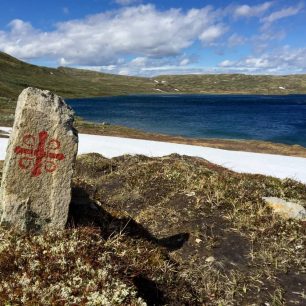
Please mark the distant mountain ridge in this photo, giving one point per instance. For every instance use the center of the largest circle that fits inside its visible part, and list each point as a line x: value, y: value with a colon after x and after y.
x: 16, y: 75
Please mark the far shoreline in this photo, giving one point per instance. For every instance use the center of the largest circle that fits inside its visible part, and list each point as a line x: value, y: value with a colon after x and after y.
x: 235, y: 144
x: 256, y: 146
x: 165, y: 93
x: 253, y: 146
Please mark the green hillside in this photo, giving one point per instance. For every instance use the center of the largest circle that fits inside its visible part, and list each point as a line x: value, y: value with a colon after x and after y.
x: 236, y: 83
x: 71, y: 83
x: 67, y: 82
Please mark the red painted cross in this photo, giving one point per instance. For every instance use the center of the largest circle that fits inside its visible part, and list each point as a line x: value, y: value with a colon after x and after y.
x: 41, y: 154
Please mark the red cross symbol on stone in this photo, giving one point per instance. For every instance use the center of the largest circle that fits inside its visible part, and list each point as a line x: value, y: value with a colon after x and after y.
x: 41, y: 156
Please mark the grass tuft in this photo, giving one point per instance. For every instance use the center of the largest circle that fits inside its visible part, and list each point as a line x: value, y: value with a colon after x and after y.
x: 161, y: 231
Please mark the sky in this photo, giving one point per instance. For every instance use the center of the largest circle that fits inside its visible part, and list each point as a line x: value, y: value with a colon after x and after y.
x: 147, y: 38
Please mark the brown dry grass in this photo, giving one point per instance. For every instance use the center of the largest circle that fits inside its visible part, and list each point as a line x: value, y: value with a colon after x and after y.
x: 226, y: 243
x: 173, y: 230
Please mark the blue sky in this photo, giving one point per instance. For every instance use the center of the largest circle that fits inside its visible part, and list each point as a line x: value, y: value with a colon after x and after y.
x: 138, y: 37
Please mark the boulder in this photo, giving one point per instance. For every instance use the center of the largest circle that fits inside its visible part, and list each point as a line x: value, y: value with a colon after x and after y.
x: 36, y: 182
x: 286, y: 209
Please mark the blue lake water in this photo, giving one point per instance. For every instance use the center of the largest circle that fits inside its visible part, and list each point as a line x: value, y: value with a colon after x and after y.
x: 273, y: 118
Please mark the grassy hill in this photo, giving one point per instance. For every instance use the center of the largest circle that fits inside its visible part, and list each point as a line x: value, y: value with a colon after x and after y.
x: 71, y: 83
x: 236, y: 83
x: 67, y: 82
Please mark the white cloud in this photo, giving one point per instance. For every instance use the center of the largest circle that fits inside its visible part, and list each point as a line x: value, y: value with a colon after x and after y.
x: 63, y: 62
x: 155, y: 40
x: 226, y: 63
x: 251, y: 11
x: 263, y: 41
x: 142, y: 31
x: 126, y: 2
x: 139, y: 61
x: 236, y: 40
x: 212, y: 33
x: 283, y: 61
x: 283, y: 13
x: 184, y: 61
x: 150, y: 66
x: 19, y: 28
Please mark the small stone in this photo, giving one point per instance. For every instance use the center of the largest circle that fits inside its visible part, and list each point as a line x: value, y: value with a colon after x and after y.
x: 210, y: 259
x: 198, y: 240
x: 286, y: 209
x: 37, y: 172
x: 190, y: 194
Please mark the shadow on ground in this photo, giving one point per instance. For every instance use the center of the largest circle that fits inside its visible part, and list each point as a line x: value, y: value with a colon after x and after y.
x: 211, y: 223
x: 86, y: 212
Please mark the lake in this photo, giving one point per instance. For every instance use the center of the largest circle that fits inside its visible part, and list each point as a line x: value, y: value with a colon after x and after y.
x: 272, y: 118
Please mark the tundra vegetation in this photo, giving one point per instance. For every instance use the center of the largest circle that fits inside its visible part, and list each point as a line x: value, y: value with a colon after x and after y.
x: 76, y: 83
x: 169, y: 230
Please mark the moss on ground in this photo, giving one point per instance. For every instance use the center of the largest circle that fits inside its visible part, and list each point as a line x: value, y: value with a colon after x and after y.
x: 173, y: 230
x: 228, y: 244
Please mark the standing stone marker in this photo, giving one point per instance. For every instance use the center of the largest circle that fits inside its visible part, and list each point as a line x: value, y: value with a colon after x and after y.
x: 37, y: 172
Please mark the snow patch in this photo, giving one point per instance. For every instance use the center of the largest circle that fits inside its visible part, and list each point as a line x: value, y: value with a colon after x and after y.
x: 245, y: 162
x: 6, y: 129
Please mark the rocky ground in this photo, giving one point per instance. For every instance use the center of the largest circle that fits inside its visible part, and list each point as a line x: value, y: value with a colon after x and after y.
x: 173, y: 230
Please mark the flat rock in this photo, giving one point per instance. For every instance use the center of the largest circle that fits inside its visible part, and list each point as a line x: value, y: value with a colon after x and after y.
x: 286, y: 209
x: 37, y: 172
